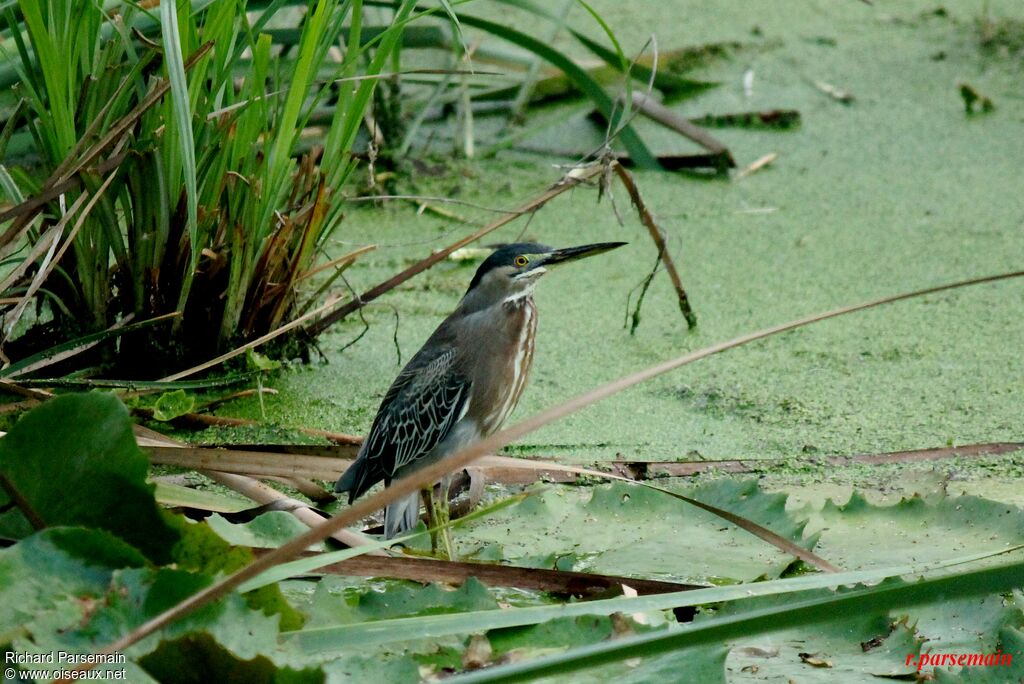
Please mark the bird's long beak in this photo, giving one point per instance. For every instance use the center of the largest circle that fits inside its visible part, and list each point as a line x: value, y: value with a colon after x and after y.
x: 562, y: 256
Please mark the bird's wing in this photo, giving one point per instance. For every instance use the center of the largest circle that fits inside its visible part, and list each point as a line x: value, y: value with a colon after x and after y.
x: 419, y: 410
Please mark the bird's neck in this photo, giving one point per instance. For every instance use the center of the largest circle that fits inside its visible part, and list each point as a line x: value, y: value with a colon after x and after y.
x: 480, y: 300
x: 519, y: 299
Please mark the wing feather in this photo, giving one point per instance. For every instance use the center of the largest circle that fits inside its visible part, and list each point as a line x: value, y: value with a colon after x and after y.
x: 419, y: 410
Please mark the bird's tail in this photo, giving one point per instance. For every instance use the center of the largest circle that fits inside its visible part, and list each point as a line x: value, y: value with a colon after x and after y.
x: 350, y: 481
x: 402, y: 515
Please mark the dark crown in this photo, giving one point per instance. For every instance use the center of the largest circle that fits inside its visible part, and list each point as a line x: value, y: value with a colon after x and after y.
x: 505, y: 256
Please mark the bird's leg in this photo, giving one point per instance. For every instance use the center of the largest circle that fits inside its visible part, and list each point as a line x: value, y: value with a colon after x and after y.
x: 439, y: 519
x: 427, y: 493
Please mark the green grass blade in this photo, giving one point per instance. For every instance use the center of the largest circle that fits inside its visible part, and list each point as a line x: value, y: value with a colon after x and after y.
x: 666, y: 82
x: 8, y: 129
x: 16, y: 369
x: 715, y: 631
x: 175, y: 63
x: 336, y: 638
x: 88, y: 383
x: 638, y: 151
x: 450, y: 11
x: 10, y: 187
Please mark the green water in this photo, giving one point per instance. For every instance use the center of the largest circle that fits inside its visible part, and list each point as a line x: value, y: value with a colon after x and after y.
x: 898, y: 190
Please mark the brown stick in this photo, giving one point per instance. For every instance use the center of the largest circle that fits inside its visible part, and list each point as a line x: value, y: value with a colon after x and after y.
x: 569, y: 181
x: 34, y: 519
x: 263, y: 494
x: 537, y: 579
x: 432, y: 473
x: 307, y: 488
x: 47, y: 195
x: 257, y: 464
x: 524, y: 470
x: 658, y: 235
x: 666, y: 117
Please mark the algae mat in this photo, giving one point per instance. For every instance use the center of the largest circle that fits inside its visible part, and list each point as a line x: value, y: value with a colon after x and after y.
x: 895, y: 191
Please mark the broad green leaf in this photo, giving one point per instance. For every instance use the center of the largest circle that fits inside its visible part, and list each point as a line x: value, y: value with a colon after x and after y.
x: 560, y: 633
x: 202, y: 550
x: 258, y: 362
x: 705, y: 665
x: 267, y: 530
x: 798, y: 612
x: 38, y: 571
x: 136, y: 595
x: 628, y: 530
x: 172, y: 405
x: 967, y: 625
x: 75, y: 461
x: 336, y: 603
x: 860, y: 535
x: 1011, y: 643
x: 859, y: 647
x: 340, y: 638
x: 393, y: 669
x: 201, y: 658
x: 76, y: 590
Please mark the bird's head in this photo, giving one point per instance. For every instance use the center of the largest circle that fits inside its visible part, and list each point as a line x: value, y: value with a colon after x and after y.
x: 513, y: 270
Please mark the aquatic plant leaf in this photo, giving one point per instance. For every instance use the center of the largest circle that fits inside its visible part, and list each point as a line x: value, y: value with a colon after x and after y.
x: 171, y: 405
x: 629, y: 530
x: 74, y: 460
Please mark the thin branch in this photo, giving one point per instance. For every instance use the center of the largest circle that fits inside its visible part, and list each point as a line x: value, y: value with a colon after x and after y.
x: 453, y: 572
x: 666, y: 117
x: 34, y: 519
x: 264, y: 494
x: 643, y: 286
x: 430, y: 474
x: 394, y: 337
x: 658, y: 235
x: 340, y: 262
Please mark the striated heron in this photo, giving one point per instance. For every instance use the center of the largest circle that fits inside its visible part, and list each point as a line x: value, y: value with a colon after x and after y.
x: 463, y: 383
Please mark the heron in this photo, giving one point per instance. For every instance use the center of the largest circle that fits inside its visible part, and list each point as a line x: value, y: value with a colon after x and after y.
x: 462, y: 384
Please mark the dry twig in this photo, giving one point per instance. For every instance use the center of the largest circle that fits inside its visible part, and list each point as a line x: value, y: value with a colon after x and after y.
x: 658, y: 235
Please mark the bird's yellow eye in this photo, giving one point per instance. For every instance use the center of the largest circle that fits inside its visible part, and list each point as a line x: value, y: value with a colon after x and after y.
x: 521, y: 261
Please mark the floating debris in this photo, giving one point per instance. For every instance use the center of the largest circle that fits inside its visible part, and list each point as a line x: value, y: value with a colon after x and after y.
x: 758, y: 165
x: 758, y: 210
x: 748, y: 83
x: 770, y: 118
x: 974, y: 101
x: 813, y: 660
x: 844, y: 96
x: 469, y: 254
